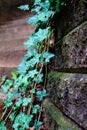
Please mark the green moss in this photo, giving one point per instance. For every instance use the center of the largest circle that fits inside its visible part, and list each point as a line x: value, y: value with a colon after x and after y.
x: 55, y: 74
x: 59, y: 118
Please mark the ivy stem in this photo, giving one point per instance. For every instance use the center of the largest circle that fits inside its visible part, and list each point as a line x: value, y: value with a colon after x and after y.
x: 45, y: 76
x: 40, y: 113
x: 29, y: 109
x: 3, y: 114
x: 24, y: 107
x: 8, y: 114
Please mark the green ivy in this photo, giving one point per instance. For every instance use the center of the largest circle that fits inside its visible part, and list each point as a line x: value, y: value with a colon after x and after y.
x: 22, y: 89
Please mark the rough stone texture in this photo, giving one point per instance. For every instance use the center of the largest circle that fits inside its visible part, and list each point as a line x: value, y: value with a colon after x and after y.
x: 69, y: 92
x: 56, y: 119
x: 71, y: 52
x: 71, y: 16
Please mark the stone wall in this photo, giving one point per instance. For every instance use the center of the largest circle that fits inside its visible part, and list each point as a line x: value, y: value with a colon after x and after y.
x: 66, y: 105
x: 67, y: 79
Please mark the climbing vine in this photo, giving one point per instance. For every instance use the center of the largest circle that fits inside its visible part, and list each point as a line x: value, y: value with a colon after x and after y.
x: 26, y: 90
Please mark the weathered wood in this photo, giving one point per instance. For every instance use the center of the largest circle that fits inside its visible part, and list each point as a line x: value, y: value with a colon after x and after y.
x: 12, y: 36
x: 6, y: 4
x: 9, y: 10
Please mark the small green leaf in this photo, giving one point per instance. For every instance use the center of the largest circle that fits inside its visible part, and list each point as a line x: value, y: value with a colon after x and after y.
x: 10, y: 94
x: 6, y: 86
x: 47, y: 56
x: 26, y: 101
x: 33, y: 20
x: 22, y: 68
x: 32, y: 91
x: 35, y: 109
x: 18, y: 103
x: 12, y: 116
x: 24, y: 80
x: 22, y: 121
x: 30, y: 42
x: 42, y: 34
x: 4, y: 78
x: 39, y: 78
x: 8, y: 102
x: 32, y: 73
x: 41, y: 94
x: 2, y: 125
x: 36, y: 9
x: 37, y: 124
x: 44, y: 16
x: 37, y: 2
x: 24, y: 7
x: 14, y: 74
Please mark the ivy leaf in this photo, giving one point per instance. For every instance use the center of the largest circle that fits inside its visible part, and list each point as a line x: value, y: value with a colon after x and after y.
x: 57, y: 6
x: 26, y: 101
x: 18, y: 103
x: 22, y: 68
x: 41, y: 94
x: 42, y: 34
x: 38, y: 78
x: 37, y: 2
x: 32, y: 41
x: 6, y: 86
x: 24, y: 80
x: 41, y: 16
x: 36, y: 9
x: 47, y: 56
x: 35, y: 109
x: 44, y: 15
x: 32, y: 91
x: 24, y: 7
x: 4, y: 78
x: 33, y: 19
x: 16, y: 84
x: 31, y: 63
x: 28, y: 55
x: 12, y: 116
x: 46, y: 4
x: 22, y: 121
x: 37, y: 124
x: 8, y: 102
x: 43, y: 4
x: 14, y: 74
x: 2, y: 125
x: 32, y: 73
x: 10, y: 94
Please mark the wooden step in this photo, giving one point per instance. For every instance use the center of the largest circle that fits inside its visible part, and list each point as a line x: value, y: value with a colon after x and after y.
x: 12, y: 36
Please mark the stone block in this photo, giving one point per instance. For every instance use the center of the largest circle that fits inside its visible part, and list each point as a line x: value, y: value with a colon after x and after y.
x: 56, y: 119
x: 71, y: 52
x: 73, y: 14
x: 69, y: 93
